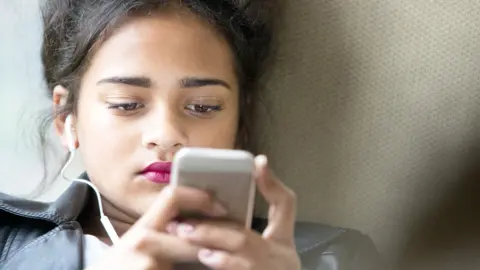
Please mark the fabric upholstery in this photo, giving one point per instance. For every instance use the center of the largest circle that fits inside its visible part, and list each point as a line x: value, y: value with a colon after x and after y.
x: 372, y: 115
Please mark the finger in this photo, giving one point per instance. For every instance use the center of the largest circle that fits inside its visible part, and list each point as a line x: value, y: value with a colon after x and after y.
x: 161, y: 246
x: 174, y: 199
x: 224, y: 236
x: 281, y: 200
x: 220, y: 260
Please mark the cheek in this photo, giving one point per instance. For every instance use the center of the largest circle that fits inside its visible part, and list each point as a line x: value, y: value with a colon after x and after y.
x: 103, y: 145
x: 97, y: 128
x: 215, y: 133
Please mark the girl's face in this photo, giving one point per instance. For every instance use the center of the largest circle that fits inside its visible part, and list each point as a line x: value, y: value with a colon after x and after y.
x: 157, y: 84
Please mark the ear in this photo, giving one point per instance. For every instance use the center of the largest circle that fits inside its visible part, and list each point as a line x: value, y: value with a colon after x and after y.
x: 60, y: 97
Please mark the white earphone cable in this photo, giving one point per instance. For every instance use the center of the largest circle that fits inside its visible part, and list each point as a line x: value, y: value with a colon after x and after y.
x: 107, y: 225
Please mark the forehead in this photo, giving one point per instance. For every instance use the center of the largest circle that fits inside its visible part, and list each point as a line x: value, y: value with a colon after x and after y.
x: 164, y: 45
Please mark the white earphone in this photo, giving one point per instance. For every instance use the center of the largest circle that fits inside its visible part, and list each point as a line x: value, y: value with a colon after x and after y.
x: 72, y: 148
x: 69, y: 134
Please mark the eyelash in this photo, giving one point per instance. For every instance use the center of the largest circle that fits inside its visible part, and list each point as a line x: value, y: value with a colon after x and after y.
x: 196, y: 109
x: 205, y: 109
x: 124, y: 106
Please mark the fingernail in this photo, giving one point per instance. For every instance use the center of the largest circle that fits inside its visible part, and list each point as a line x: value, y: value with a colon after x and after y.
x: 219, y: 210
x: 184, y: 229
x: 172, y: 227
x: 261, y: 160
x: 210, y: 258
x: 205, y: 253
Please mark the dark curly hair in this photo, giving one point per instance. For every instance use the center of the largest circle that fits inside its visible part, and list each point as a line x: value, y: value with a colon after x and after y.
x: 73, y: 27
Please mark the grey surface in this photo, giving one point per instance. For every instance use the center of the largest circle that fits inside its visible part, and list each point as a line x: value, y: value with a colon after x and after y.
x: 23, y: 101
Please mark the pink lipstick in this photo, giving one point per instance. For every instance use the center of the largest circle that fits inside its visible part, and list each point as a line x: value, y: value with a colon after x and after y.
x: 158, y: 172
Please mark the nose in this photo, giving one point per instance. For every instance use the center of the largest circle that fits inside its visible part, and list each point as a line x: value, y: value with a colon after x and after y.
x: 163, y: 134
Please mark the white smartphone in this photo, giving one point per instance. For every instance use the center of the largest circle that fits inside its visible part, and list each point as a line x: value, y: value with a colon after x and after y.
x: 228, y: 174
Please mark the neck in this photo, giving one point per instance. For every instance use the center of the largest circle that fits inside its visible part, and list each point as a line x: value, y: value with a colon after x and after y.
x: 91, y: 224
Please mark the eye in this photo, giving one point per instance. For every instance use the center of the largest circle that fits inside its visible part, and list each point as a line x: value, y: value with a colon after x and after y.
x: 203, y: 109
x: 126, y: 106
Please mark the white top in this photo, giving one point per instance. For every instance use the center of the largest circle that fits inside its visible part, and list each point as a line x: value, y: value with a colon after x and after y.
x: 93, y: 249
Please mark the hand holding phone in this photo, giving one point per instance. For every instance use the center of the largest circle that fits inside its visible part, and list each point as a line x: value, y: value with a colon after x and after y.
x: 229, y: 245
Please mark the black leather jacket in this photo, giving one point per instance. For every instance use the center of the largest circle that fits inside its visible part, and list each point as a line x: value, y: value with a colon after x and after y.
x: 41, y: 236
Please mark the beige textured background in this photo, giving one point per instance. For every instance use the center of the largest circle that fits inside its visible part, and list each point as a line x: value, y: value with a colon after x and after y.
x: 374, y: 120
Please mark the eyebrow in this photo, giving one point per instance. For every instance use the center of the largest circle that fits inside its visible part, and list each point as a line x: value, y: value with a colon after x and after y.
x: 145, y: 82
x: 194, y: 82
x: 133, y: 81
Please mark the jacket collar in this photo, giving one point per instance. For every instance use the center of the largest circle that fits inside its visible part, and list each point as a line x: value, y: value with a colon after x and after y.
x: 66, y: 208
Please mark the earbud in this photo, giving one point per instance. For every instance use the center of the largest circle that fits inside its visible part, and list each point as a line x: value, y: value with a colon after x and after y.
x: 71, y: 144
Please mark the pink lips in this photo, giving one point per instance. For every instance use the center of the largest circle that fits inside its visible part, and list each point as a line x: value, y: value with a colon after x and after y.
x: 158, y: 172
